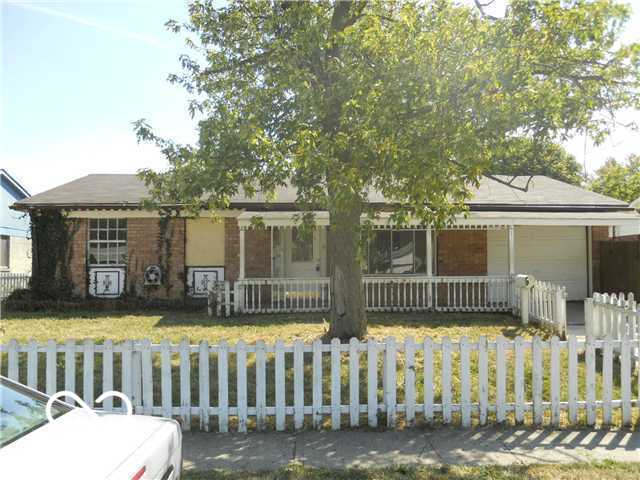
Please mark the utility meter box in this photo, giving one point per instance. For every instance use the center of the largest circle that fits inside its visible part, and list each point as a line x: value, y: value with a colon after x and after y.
x: 524, y: 281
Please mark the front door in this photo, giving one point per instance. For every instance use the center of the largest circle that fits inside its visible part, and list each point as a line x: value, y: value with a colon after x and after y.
x: 302, y: 254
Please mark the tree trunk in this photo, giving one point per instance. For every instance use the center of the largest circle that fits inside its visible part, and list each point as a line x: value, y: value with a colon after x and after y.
x: 348, y: 316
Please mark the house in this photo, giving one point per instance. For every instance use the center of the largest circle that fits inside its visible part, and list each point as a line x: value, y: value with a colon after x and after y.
x: 631, y: 232
x: 15, y: 244
x: 543, y: 227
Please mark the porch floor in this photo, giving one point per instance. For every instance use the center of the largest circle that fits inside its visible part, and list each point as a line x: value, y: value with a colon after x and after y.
x: 575, y: 318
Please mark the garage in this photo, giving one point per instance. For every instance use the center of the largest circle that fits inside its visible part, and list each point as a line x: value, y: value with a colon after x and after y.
x: 549, y: 253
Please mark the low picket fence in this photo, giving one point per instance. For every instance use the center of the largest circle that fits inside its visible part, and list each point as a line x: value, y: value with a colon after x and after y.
x: 279, y: 295
x: 400, y: 293
x: 546, y: 305
x: 227, y: 387
x: 448, y: 294
x: 12, y: 281
x: 613, y: 316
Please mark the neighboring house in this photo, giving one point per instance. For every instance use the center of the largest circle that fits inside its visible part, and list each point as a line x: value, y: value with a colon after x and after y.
x: 551, y: 231
x: 15, y: 244
x: 631, y: 232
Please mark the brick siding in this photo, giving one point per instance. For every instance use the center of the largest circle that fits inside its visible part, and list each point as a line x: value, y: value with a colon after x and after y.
x: 146, y: 247
x: 231, y: 249
x: 257, y: 251
x: 462, y: 252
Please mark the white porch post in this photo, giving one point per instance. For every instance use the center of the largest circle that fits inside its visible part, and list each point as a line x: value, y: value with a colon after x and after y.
x: 512, y: 250
x: 430, y: 266
x: 590, y: 260
x: 241, y: 274
x: 511, y: 257
x: 429, y: 252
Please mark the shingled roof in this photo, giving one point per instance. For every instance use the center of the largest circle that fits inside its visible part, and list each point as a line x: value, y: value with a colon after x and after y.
x: 128, y: 191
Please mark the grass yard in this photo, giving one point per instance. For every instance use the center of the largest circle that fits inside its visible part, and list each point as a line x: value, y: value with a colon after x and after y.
x: 579, y: 471
x: 158, y: 326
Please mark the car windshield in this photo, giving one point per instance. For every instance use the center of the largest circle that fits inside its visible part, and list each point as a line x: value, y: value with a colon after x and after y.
x: 22, y: 411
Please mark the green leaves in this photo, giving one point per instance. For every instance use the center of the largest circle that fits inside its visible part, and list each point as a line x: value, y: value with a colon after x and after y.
x: 415, y: 100
x: 620, y: 180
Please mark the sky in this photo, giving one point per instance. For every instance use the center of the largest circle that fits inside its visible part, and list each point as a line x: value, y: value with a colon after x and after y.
x: 74, y: 74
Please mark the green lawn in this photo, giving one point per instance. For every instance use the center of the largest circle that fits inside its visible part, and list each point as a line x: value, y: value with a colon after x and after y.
x: 579, y: 471
x: 173, y: 326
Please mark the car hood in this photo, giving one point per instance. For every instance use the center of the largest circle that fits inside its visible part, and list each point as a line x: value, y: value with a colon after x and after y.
x: 78, y: 445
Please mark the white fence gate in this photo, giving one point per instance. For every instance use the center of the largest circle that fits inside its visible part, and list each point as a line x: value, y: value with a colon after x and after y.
x: 12, y: 281
x: 546, y: 305
x: 289, y: 386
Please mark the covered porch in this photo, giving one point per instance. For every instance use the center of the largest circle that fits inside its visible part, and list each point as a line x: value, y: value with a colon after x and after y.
x: 469, y: 266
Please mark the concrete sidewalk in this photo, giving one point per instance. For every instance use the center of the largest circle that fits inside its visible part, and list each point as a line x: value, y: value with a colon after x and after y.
x: 364, y: 449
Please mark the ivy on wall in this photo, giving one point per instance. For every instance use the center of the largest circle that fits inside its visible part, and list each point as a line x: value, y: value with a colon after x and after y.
x: 52, y: 251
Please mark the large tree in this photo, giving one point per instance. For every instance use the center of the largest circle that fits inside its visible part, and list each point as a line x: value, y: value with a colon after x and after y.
x: 411, y: 99
x: 619, y: 179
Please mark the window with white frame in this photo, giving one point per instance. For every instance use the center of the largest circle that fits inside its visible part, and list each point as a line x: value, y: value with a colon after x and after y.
x: 396, y: 252
x: 5, y: 252
x: 107, y: 241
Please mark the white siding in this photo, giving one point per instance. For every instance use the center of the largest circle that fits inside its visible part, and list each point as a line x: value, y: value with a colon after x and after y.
x: 557, y: 254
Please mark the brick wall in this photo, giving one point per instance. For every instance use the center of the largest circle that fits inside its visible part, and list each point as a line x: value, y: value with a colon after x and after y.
x: 598, y: 234
x: 462, y: 252
x: 78, y: 256
x: 147, y: 245
x: 231, y: 249
x: 257, y: 250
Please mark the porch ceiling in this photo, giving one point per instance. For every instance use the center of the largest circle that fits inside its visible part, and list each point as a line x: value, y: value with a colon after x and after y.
x: 474, y: 220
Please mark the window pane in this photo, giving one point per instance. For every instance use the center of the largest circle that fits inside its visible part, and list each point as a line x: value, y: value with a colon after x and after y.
x: 302, y: 247
x: 93, y: 223
x: 122, y: 254
x: 4, y: 251
x: 93, y: 254
x: 420, y: 252
x: 402, y: 255
x: 380, y: 252
x: 107, y: 244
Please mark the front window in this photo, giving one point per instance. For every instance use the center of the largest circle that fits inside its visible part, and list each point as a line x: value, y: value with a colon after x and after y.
x: 4, y: 251
x: 23, y: 411
x: 396, y: 252
x: 108, y: 241
x: 302, y: 247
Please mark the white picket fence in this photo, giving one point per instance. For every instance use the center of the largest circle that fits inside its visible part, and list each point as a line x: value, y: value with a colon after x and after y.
x: 360, y: 383
x: 448, y: 294
x: 275, y: 295
x: 12, y: 281
x: 546, y: 305
x: 400, y: 293
x: 613, y: 316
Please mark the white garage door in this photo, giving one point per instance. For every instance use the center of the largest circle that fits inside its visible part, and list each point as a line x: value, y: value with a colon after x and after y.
x: 557, y: 254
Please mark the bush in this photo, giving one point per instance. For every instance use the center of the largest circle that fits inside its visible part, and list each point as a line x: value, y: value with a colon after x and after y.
x: 26, y: 300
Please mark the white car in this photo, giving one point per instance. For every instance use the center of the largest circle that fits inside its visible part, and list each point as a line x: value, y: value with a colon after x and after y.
x: 80, y: 444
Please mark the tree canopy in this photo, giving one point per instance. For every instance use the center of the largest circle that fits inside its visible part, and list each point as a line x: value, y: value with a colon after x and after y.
x: 413, y: 99
x: 526, y: 156
x: 620, y: 180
